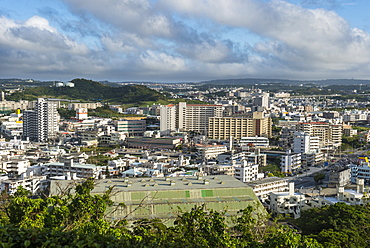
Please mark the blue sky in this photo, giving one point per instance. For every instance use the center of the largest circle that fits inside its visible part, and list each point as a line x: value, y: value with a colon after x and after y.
x: 192, y: 40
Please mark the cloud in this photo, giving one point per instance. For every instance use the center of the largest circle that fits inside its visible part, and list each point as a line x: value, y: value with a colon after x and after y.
x: 184, y: 40
x: 318, y: 38
x: 333, y: 4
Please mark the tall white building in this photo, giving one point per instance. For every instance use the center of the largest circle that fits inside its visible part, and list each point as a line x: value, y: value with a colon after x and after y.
x: 188, y: 117
x: 247, y: 172
x: 309, y: 147
x: 304, y: 143
x: 290, y: 162
x: 42, y: 123
x: 168, y: 118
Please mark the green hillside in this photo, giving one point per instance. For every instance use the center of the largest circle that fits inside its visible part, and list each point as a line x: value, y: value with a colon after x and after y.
x: 88, y: 90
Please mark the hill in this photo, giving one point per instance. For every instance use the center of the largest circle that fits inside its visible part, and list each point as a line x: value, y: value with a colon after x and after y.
x: 88, y: 90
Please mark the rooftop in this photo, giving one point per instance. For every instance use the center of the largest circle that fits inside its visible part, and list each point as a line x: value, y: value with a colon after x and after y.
x: 156, y: 184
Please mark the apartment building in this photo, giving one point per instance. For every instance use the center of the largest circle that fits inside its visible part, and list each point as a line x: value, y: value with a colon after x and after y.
x: 210, y: 151
x: 330, y: 135
x: 238, y: 127
x: 34, y: 184
x: 263, y: 187
x: 290, y: 162
x: 90, y: 105
x: 42, y: 123
x: 245, y: 142
x: 247, y: 172
x: 67, y: 168
x: 187, y: 117
x: 309, y: 147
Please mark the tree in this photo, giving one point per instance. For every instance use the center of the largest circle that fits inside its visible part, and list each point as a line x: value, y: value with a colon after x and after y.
x: 318, y: 177
x: 338, y: 225
x: 77, y: 219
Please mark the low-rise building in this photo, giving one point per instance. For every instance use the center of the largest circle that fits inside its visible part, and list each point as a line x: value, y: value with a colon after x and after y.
x: 360, y: 171
x: 210, y: 151
x: 220, y: 169
x: 152, y: 143
x: 246, y: 142
x: 287, y: 203
x: 263, y: 187
x: 80, y: 170
x: 339, y: 176
x: 34, y: 184
x: 162, y: 197
x: 131, y: 127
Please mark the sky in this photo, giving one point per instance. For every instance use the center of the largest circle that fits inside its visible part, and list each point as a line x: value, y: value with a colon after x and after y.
x: 184, y: 40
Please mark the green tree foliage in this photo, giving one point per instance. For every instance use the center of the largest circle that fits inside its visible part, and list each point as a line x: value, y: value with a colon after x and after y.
x: 318, y: 177
x: 352, y: 142
x: 338, y: 225
x: 77, y: 219
x: 88, y: 90
x: 66, y: 113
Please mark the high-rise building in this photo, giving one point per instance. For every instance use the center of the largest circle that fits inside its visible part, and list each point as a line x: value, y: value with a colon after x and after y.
x: 238, y: 127
x: 309, y: 147
x: 330, y: 135
x: 41, y: 124
x: 290, y: 162
x: 304, y: 143
x: 188, y: 117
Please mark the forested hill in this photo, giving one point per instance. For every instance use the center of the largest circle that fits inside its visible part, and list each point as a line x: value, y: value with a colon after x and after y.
x: 88, y: 90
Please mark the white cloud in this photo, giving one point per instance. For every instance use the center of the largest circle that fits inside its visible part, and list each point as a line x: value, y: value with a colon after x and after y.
x: 318, y: 38
x: 184, y: 40
x: 159, y: 63
x: 35, y: 35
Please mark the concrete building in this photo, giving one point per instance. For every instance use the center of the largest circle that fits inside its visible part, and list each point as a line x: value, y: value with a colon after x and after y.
x: 290, y: 162
x: 41, y: 124
x: 15, y: 166
x: 262, y: 100
x: 153, y: 143
x: 81, y: 113
x: 358, y: 196
x: 91, y: 105
x: 130, y: 127
x: 13, y: 105
x: 162, y: 197
x: 71, y: 168
x: 246, y: 142
x: 220, y: 169
x: 187, y: 117
x: 339, y: 177
x: 360, y: 171
x: 11, y: 129
x: 263, y: 187
x: 210, y: 151
x: 287, y: 203
x: 330, y: 135
x: 238, y: 127
x: 309, y: 147
x: 34, y: 184
x: 305, y: 143
x: 247, y: 172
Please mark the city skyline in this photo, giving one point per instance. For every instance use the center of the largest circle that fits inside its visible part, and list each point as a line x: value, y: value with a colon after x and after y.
x: 169, y: 41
